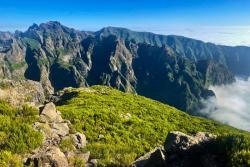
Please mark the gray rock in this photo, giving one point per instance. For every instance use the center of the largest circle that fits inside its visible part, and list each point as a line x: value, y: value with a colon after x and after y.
x: 79, y: 140
x: 155, y: 158
x: 51, y: 157
x: 178, y: 141
x: 50, y: 114
x: 61, y: 129
x: 54, y: 130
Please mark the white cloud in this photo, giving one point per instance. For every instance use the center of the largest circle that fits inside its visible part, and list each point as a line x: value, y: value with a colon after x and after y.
x: 231, y: 105
x: 226, y: 35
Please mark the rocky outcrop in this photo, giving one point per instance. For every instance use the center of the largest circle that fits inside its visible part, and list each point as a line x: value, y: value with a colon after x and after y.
x: 181, y: 150
x: 56, y: 130
x: 155, y: 158
x: 22, y: 92
x: 178, y: 141
x: 51, y: 156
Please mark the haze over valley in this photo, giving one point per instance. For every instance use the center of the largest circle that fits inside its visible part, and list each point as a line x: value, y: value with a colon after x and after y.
x: 230, y: 104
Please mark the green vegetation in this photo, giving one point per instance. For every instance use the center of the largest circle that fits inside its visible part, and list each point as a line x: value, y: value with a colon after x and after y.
x: 61, y: 51
x: 236, y: 149
x: 121, y: 126
x: 8, y: 159
x: 231, y: 150
x: 16, y: 133
x: 4, y: 85
x: 31, y: 42
x: 16, y: 66
x: 76, y: 162
x: 67, y: 144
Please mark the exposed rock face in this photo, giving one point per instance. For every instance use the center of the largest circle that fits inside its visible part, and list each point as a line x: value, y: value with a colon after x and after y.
x: 164, y: 68
x: 22, y: 92
x: 215, y: 73
x: 181, y: 150
x: 55, y: 131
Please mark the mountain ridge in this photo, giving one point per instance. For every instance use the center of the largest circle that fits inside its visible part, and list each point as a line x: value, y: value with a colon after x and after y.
x: 59, y: 57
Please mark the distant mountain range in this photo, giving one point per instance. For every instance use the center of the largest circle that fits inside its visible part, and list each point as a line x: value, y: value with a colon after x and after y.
x: 171, y: 69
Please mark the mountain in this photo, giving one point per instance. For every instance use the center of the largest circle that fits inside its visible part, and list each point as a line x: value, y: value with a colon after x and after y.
x: 172, y: 69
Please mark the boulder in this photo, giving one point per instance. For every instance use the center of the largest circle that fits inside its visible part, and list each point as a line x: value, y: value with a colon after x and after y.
x: 79, y: 140
x: 180, y: 150
x: 60, y: 129
x: 50, y: 114
x: 155, y: 158
x: 178, y: 141
x: 51, y: 157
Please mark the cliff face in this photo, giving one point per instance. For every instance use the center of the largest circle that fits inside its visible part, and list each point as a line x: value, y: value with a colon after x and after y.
x: 237, y: 59
x: 214, y: 73
x: 165, y: 68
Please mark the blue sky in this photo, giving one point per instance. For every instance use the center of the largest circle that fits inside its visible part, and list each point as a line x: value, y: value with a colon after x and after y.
x: 219, y: 21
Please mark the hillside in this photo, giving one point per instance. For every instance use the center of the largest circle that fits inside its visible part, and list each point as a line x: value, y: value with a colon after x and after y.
x: 17, y: 137
x: 121, y: 127
x: 164, y: 68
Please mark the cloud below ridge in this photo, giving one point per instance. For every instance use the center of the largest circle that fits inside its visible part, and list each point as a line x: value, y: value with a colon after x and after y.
x: 231, y: 105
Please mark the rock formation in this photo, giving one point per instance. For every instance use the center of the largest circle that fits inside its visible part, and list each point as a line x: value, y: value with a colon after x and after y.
x: 181, y: 150
x: 22, y: 92
x: 53, y: 153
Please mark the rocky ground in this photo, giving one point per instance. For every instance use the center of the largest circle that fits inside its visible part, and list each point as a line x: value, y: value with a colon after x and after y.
x: 22, y: 92
x: 57, y: 131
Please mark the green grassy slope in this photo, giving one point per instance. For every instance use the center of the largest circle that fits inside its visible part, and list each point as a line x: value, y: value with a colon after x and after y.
x: 17, y: 136
x: 121, y: 126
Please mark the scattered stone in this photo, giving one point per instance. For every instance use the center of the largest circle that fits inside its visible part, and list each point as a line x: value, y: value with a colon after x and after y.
x: 126, y: 116
x: 101, y: 136
x: 54, y: 130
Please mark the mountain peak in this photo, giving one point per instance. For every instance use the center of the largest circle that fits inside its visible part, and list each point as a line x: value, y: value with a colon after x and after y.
x: 51, y: 25
x: 33, y: 27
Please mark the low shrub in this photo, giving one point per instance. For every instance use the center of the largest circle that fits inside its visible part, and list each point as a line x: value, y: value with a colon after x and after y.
x: 121, y: 127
